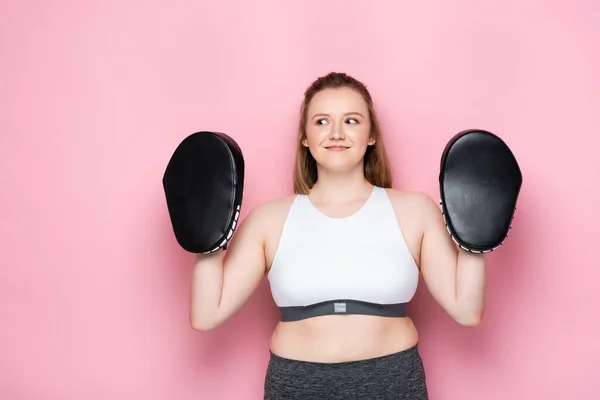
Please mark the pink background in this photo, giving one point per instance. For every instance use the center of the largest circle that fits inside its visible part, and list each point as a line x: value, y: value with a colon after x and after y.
x: 95, y: 96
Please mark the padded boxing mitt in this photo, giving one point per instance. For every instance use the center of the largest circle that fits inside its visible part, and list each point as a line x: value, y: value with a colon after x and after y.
x: 479, y: 183
x: 203, y: 185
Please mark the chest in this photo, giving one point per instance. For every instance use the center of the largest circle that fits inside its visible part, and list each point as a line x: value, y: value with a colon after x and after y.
x: 365, y: 246
x: 346, y: 259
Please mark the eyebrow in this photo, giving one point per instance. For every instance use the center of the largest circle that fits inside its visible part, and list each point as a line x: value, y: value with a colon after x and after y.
x: 345, y: 114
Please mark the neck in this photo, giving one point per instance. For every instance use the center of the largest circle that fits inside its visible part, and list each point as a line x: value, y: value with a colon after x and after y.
x: 341, y: 187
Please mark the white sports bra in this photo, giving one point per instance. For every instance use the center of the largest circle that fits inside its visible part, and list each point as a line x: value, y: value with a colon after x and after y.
x: 359, y: 264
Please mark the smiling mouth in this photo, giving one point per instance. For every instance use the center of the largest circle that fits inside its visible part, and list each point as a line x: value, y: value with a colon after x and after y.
x: 337, y: 148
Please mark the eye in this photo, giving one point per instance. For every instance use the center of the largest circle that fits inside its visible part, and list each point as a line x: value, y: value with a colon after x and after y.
x: 321, y: 121
x: 352, y: 121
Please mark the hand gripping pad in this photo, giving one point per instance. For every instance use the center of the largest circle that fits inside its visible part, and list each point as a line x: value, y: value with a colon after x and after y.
x: 203, y: 184
x: 480, y: 181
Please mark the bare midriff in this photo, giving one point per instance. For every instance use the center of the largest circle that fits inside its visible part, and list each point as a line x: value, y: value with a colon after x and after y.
x: 340, y: 338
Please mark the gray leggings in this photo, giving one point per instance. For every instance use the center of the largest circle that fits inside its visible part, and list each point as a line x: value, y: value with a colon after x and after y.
x: 396, y: 376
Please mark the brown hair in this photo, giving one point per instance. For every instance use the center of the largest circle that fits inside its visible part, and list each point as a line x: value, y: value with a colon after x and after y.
x: 376, y: 165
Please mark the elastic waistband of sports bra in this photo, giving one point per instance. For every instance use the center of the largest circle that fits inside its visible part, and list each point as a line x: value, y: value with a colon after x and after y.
x: 342, y: 306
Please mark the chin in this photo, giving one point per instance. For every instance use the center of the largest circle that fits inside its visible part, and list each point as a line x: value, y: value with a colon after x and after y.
x: 343, y: 161
x: 339, y: 166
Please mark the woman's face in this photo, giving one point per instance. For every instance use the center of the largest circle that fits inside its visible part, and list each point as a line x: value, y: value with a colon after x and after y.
x: 338, y: 128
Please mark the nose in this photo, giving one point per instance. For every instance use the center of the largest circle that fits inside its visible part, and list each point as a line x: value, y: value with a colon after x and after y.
x: 337, y: 132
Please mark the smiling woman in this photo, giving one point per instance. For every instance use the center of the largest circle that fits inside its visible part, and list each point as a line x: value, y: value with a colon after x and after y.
x: 319, y: 262
x: 343, y: 257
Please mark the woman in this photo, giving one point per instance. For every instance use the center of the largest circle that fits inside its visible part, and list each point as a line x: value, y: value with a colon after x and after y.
x: 343, y: 257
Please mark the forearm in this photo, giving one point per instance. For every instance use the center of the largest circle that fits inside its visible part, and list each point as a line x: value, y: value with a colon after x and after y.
x: 470, y: 287
x: 205, y: 291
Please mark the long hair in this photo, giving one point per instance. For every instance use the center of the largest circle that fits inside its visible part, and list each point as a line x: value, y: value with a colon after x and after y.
x: 376, y: 164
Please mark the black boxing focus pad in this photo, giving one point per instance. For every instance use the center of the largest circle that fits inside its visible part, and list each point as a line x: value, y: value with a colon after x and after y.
x: 480, y: 181
x: 203, y: 184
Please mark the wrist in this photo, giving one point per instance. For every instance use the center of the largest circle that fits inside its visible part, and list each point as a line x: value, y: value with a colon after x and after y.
x: 205, y: 256
x: 465, y: 256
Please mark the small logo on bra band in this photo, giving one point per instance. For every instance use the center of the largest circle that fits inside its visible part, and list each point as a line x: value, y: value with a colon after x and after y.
x: 339, y: 307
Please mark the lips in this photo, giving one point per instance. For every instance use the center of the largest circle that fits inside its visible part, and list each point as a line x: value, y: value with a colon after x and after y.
x: 337, y: 148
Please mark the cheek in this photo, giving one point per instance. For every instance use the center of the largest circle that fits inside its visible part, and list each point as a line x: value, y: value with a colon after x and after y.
x: 360, y: 134
x: 315, y: 134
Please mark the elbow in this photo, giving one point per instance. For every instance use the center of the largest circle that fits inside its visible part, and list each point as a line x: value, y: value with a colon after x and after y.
x: 201, y: 325
x: 469, y: 323
x: 469, y: 320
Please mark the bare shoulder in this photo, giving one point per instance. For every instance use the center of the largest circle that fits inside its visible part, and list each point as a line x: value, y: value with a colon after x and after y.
x: 422, y: 208
x: 270, y: 214
x: 271, y: 208
x: 413, y: 210
x: 270, y: 218
x: 417, y: 201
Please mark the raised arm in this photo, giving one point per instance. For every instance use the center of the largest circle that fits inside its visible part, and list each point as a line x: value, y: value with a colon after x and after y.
x: 455, y: 278
x: 223, y: 281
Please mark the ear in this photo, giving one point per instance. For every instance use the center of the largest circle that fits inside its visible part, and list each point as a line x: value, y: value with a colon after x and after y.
x: 304, y: 142
x: 372, y: 141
